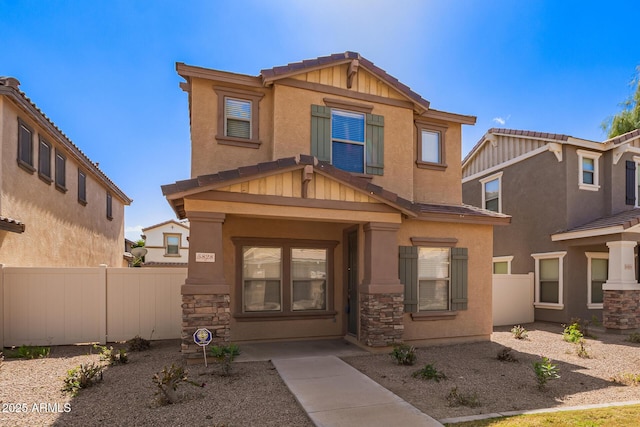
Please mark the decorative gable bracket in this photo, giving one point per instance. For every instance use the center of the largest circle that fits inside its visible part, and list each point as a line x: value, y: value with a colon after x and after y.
x: 556, y: 149
x: 352, y: 71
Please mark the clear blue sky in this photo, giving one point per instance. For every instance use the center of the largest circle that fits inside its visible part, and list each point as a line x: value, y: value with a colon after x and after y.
x: 104, y: 71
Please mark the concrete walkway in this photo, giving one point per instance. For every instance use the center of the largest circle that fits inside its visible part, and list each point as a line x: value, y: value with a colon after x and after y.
x: 335, y: 394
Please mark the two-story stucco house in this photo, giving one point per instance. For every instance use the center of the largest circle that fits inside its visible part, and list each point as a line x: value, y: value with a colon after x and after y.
x: 167, y: 244
x: 574, y: 207
x: 325, y: 201
x: 57, y: 208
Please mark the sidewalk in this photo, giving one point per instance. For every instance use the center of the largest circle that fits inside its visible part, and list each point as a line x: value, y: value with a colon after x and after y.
x: 335, y: 394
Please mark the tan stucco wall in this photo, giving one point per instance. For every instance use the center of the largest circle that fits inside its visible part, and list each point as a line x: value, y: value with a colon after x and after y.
x: 284, y: 329
x: 59, y: 231
x: 475, y: 323
x: 285, y: 121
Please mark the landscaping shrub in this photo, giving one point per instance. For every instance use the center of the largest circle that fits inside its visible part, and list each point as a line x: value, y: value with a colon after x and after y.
x: 519, y: 332
x: 111, y: 356
x: 634, y: 337
x: 81, y: 377
x: 505, y: 355
x: 455, y: 398
x: 224, y: 355
x: 545, y: 371
x: 429, y: 372
x: 573, y: 332
x: 404, y: 354
x: 138, y: 343
x: 29, y: 352
x: 627, y: 379
x: 168, y: 380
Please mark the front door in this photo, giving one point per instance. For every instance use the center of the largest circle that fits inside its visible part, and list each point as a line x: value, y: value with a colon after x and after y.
x: 352, y: 282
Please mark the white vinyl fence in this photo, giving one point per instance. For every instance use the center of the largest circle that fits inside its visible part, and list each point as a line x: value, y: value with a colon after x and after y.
x: 57, y: 306
x: 512, y: 299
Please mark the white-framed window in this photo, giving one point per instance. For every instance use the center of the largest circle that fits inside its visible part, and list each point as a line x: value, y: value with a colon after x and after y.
x: 597, y: 274
x: 588, y: 173
x: 348, y: 140
x: 172, y: 244
x: 549, y: 280
x: 237, y: 118
x: 430, y: 147
x: 434, y: 272
x: 502, y: 264
x: 492, y: 192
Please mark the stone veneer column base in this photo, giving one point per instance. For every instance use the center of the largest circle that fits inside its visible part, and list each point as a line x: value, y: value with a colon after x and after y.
x: 381, y: 319
x: 204, y: 311
x: 621, y: 309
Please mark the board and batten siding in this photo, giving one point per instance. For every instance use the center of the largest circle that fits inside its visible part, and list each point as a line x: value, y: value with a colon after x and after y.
x: 504, y: 149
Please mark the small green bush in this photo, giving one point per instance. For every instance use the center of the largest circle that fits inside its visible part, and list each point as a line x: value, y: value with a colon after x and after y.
x: 505, y: 355
x: 404, y: 354
x: 168, y: 380
x: 634, y: 337
x: 224, y: 355
x: 138, y: 343
x: 582, y: 350
x: 573, y: 332
x: 29, y: 352
x: 429, y: 372
x: 545, y: 371
x: 455, y: 398
x: 519, y: 332
x: 627, y: 379
x: 81, y: 377
x: 111, y: 356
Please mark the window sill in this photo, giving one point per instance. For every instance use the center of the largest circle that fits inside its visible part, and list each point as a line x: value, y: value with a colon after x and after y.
x: 432, y: 166
x: 595, y: 306
x: 589, y: 187
x: 549, y: 306
x: 238, y: 142
x: 434, y: 315
x: 26, y: 166
x: 45, y: 179
x: 172, y: 255
x: 61, y: 189
x: 82, y: 202
x: 251, y: 317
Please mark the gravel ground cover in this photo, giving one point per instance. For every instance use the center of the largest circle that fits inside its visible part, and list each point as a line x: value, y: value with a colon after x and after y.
x: 254, y: 394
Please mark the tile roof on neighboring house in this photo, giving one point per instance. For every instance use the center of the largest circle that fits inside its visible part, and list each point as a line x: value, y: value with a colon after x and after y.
x: 170, y: 221
x: 612, y: 224
x: 10, y: 224
x: 165, y: 264
x: 423, y: 210
x: 10, y: 86
x: 620, y: 139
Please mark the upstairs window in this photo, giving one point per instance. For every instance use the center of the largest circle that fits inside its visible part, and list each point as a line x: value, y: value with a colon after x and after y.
x: 25, y: 146
x: 238, y: 117
x: 82, y: 187
x: 350, y: 140
x: 588, y: 170
x: 431, y: 146
x: 347, y: 141
x: 61, y: 171
x: 172, y: 244
x: 44, y: 161
x: 109, y: 206
x: 492, y: 192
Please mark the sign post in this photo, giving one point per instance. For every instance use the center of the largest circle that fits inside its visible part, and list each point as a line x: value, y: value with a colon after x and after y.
x: 203, y: 337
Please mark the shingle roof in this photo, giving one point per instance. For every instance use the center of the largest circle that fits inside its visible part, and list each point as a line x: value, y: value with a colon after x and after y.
x: 11, y: 86
x: 295, y: 67
x: 391, y: 198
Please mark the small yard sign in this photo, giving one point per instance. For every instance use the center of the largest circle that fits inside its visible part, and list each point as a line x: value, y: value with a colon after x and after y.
x: 203, y: 337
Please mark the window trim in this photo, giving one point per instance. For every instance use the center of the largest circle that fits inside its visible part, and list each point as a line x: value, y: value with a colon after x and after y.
x: 82, y: 197
x: 506, y: 259
x: 486, y: 180
x: 44, y: 177
x: 109, y: 206
x: 26, y: 165
x: 241, y: 95
x: 441, y: 131
x: 549, y: 255
x: 165, y: 238
x: 583, y: 154
x: 61, y: 186
x: 286, y: 312
x: 590, y: 256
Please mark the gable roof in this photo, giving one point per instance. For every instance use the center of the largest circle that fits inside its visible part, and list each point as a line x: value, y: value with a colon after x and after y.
x: 612, y: 224
x: 10, y: 87
x: 437, y: 212
x: 171, y: 221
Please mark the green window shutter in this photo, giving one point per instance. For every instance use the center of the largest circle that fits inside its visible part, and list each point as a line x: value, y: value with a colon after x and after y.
x: 321, y: 132
x: 408, y: 272
x: 459, y: 260
x: 375, y: 144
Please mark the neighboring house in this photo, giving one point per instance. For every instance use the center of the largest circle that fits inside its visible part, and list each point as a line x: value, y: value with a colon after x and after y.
x: 167, y: 244
x: 325, y: 201
x: 575, y: 213
x: 57, y: 208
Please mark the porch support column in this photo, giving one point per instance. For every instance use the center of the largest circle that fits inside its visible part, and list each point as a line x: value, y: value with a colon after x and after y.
x: 381, y: 293
x: 621, y: 290
x: 205, y: 294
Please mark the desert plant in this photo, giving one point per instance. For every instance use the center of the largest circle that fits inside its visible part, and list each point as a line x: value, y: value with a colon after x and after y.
x: 519, y: 332
x: 404, y: 354
x: 627, y: 379
x: 634, y: 337
x: 81, y: 377
x: 168, y: 381
x: 138, y: 343
x: 429, y: 372
x: 505, y: 355
x: 582, y: 350
x: 1, y: 359
x: 111, y: 356
x: 545, y: 371
x: 573, y: 332
x: 455, y: 398
x: 224, y: 355
x: 29, y: 352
